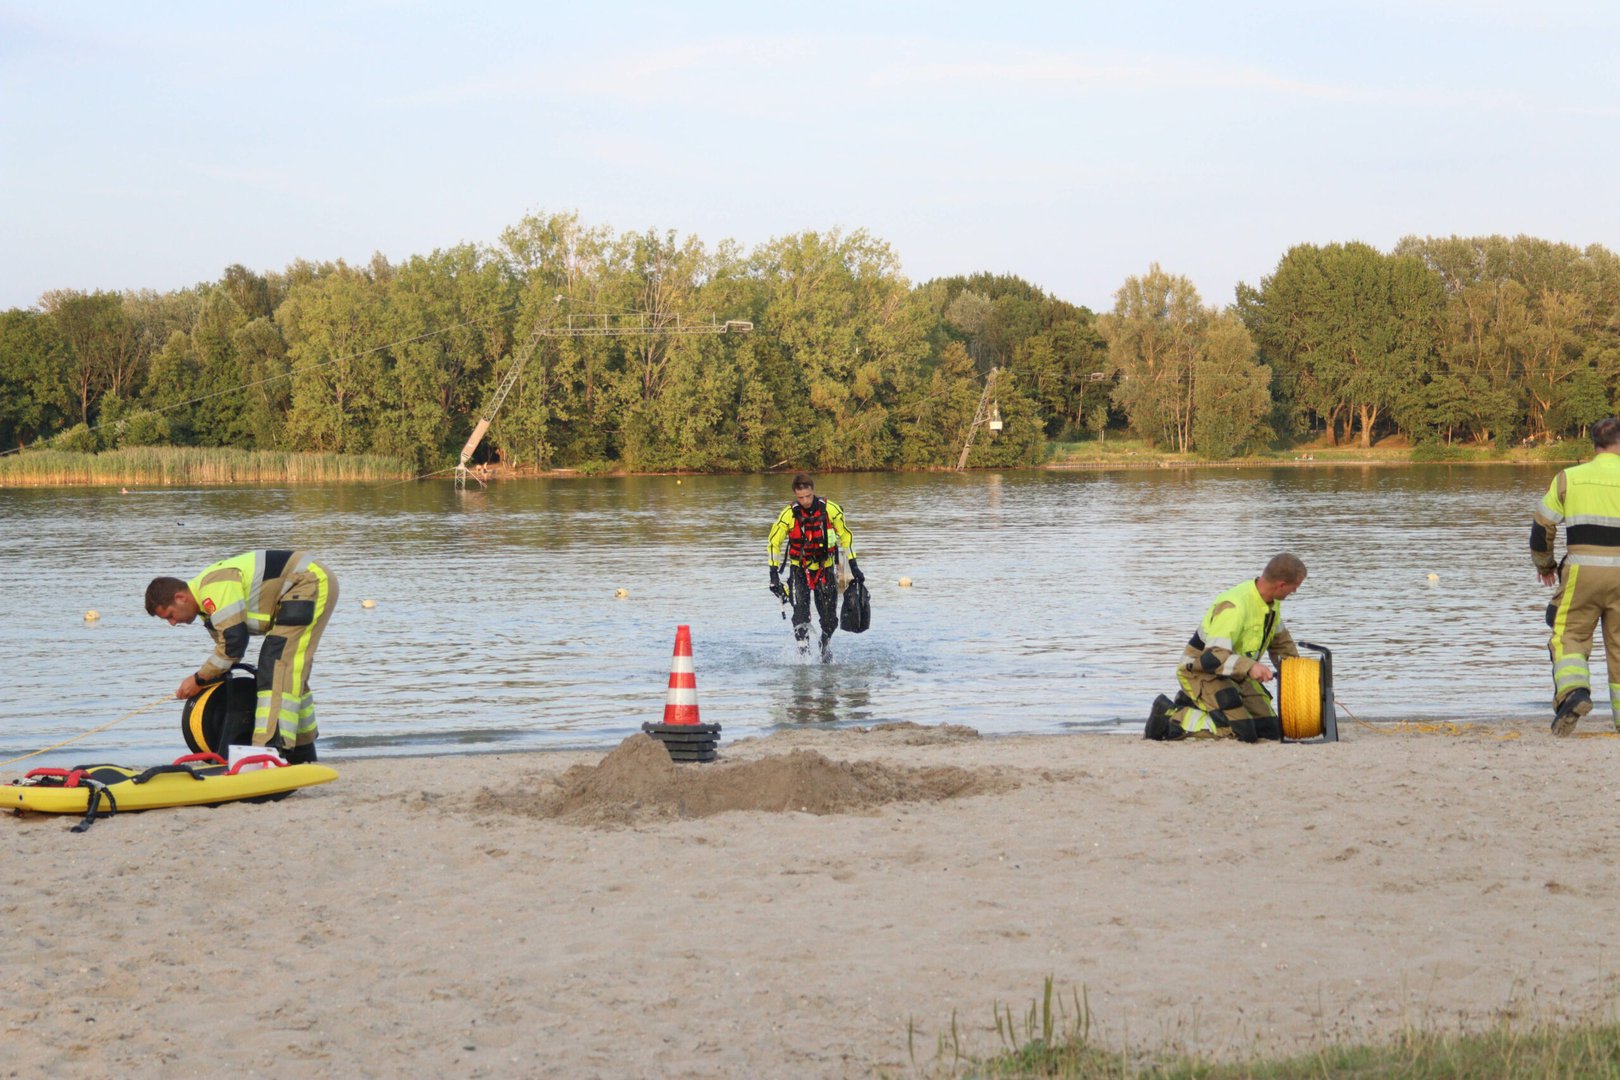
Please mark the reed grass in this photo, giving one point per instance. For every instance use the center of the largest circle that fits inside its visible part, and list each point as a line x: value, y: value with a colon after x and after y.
x: 1054, y: 1040
x: 1136, y: 453
x: 168, y: 466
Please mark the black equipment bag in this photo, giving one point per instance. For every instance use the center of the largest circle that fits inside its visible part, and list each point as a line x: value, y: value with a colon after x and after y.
x: 222, y: 715
x: 857, y: 613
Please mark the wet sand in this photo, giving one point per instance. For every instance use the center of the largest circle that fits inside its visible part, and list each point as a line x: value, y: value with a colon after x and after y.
x: 787, y: 911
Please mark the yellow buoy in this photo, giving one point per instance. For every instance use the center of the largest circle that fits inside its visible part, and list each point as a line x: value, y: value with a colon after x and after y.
x: 1299, y: 699
x: 620, y: 594
x: 1433, y: 578
x: 92, y: 615
x: 368, y: 603
x: 905, y: 583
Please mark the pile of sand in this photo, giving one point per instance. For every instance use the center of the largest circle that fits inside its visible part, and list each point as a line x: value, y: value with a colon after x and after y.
x: 639, y: 782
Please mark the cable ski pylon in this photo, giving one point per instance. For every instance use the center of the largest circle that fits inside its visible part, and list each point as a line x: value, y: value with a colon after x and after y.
x: 683, y: 734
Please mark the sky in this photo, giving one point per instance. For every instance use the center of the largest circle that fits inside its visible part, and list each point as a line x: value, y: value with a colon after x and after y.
x: 149, y: 146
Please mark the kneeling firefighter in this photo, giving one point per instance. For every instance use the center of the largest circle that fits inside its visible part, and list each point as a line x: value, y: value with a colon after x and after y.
x: 1221, y: 675
x: 814, y: 531
x: 283, y: 595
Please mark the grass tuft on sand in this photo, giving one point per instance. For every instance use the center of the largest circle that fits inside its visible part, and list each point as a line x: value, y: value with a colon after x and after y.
x: 1053, y: 1039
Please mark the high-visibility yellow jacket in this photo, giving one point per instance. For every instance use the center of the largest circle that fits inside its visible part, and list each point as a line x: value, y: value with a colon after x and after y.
x: 1236, y: 630
x: 1585, y: 499
x: 837, y: 535
x: 237, y: 597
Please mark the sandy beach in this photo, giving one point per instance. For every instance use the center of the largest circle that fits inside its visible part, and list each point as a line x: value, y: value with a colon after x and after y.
x: 787, y: 911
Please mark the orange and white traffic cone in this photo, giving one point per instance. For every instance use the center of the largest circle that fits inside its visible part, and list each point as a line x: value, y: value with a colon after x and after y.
x: 680, y: 704
x: 683, y: 734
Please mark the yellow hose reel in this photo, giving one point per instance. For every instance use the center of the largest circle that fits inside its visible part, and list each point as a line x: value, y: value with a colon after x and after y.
x: 1305, y: 696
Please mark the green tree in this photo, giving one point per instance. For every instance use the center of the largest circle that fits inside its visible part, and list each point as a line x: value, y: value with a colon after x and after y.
x: 334, y: 327
x: 172, y: 382
x: 261, y: 357
x: 1352, y: 332
x: 844, y: 325
x: 564, y: 410
x: 1066, y: 371
x: 1525, y: 323
x: 98, y: 342
x: 447, y: 317
x: 1232, y: 393
x: 1555, y: 358
x: 34, y: 395
x: 934, y: 407
x: 1155, y: 335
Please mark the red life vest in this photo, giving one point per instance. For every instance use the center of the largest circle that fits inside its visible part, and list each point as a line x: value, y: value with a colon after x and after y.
x: 807, y: 539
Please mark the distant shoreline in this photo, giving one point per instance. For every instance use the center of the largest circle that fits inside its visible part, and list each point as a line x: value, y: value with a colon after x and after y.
x: 163, y: 467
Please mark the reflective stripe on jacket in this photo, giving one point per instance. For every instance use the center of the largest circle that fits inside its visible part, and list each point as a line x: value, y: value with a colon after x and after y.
x: 1236, y: 630
x: 782, y: 528
x: 237, y: 597
x: 1585, y: 500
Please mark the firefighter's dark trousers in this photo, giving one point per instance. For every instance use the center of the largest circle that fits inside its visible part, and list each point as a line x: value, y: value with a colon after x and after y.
x: 826, y: 597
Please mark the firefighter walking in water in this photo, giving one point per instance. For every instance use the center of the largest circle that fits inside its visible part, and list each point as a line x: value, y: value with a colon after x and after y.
x: 814, y: 531
x: 1585, y: 500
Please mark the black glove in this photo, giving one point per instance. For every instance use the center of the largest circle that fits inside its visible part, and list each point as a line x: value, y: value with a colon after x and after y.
x: 776, y: 584
x: 855, y: 573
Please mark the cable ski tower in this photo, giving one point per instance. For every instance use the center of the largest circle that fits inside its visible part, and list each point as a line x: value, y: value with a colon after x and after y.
x: 987, y: 414
x: 605, y: 324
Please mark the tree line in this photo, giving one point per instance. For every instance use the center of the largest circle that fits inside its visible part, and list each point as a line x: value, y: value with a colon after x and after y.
x: 1484, y: 340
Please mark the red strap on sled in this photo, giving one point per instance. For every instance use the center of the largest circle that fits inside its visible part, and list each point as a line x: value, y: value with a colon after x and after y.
x: 258, y: 759
x: 207, y: 755
x: 70, y: 777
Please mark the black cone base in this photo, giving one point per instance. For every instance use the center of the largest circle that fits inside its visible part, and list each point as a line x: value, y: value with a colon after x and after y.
x: 687, y: 742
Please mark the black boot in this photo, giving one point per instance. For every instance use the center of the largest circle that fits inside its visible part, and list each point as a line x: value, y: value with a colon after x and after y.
x: 1576, y: 704
x: 1158, y: 723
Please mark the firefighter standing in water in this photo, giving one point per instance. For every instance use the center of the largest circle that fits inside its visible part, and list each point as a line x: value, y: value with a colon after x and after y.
x: 814, y: 531
x: 1585, y: 499
x: 283, y: 595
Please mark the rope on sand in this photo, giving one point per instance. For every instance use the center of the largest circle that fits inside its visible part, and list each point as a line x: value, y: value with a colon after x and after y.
x: 1457, y: 727
x: 1433, y: 727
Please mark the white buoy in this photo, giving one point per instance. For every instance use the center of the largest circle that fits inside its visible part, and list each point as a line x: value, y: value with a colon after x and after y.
x: 92, y: 615
x: 621, y: 594
x: 368, y: 603
x: 905, y: 583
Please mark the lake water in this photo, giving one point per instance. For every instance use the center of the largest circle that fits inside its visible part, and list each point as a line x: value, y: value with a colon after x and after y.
x: 1042, y: 601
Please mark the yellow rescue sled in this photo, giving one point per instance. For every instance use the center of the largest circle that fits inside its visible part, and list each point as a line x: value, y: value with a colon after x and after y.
x: 194, y: 780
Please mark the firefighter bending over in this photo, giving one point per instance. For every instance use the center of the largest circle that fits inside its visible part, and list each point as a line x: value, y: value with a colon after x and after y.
x: 1221, y: 674
x: 813, y: 529
x: 1585, y: 499
x: 284, y: 596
